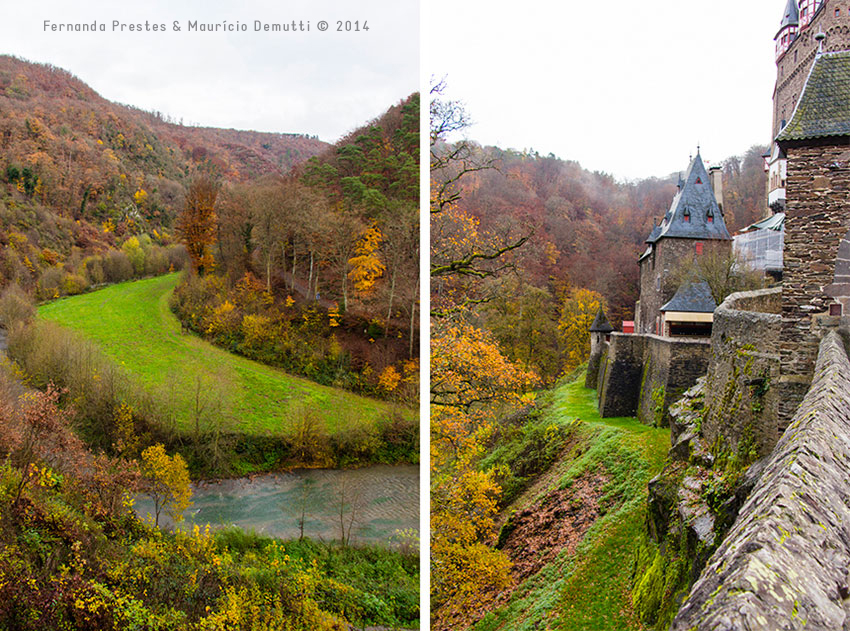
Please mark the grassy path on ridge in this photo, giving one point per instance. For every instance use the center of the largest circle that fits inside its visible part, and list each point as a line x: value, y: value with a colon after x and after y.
x: 589, y: 590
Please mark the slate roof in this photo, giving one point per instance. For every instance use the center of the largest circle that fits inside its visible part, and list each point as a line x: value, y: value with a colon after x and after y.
x: 653, y: 236
x: 696, y: 200
x: 600, y: 323
x: 692, y: 297
x: 791, y: 17
x: 824, y: 109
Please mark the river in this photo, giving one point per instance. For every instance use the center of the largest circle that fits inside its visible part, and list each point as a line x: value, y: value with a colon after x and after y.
x: 383, y: 499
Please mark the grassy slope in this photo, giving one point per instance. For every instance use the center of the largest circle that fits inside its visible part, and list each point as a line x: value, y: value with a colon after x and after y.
x: 133, y: 324
x: 591, y: 589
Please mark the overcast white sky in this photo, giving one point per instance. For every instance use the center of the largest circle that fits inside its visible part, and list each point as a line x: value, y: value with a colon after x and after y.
x: 319, y: 83
x: 623, y: 86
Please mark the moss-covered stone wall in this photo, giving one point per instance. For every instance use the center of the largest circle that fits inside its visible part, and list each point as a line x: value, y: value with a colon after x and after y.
x: 741, y: 398
x: 641, y: 375
x: 670, y: 366
x: 783, y: 565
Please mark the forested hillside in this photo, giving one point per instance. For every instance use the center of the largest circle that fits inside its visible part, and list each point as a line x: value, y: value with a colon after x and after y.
x: 79, y: 172
x: 318, y: 272
x: 584, y: 233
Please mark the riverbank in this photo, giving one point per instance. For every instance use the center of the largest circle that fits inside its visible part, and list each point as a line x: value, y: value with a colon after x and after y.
x: 365, y: 506
x: 121, y: 348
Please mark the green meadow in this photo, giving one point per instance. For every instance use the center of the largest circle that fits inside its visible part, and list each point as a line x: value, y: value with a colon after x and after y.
x: 133, y: 325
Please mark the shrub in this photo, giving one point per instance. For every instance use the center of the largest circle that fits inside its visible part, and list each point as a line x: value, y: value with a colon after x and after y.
x: 15, y: 307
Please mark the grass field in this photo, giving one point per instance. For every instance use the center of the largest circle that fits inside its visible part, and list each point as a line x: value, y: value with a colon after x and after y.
x: 133, y: 325
x: 591, y: 589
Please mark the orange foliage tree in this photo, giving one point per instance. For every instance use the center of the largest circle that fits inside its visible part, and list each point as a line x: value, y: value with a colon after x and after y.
x: 470, y: 382
x: 197, y: 223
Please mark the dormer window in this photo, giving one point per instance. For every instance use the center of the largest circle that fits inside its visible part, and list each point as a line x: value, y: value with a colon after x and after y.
x: 699, y: 180
x: 710, y: 216
x: 687, y: 214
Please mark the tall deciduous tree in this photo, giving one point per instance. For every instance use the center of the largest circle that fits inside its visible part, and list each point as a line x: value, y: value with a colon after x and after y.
x: 197, y: 223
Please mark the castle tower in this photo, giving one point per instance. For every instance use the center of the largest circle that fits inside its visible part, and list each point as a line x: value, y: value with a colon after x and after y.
x: 816, y: 285
x: 797, y: 44
x: 788, y: 28
x: 600, y: 331
x: 693, y: 226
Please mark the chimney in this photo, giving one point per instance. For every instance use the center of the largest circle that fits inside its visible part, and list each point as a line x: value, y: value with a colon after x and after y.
x: 715, y: 174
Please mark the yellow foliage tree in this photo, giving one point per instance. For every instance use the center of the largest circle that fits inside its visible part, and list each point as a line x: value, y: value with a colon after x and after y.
x: 167, y: 482
x: 366, y: 266
x: 577, y: 309
x: 389, y: 379
x: 470, y: 382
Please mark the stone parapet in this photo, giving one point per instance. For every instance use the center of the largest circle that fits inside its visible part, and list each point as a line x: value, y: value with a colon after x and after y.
x: 784, y: 564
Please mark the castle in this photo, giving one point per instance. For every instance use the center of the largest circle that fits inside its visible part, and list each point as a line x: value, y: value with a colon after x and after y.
x: 693, y: 226
x: 809, y: 179
x: 797, y: 43
x: 772, y: 402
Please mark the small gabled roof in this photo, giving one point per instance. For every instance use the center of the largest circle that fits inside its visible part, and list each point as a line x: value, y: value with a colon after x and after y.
x: 824, y: 109
x: 693, y: 297
x: 600, y: 323
x: 791, y: 17
x: 693, y: 204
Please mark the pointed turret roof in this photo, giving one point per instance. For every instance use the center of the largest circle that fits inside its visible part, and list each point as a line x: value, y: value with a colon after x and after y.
x: 791, y: 17
x: 692, y: 207
x: 600, y: 323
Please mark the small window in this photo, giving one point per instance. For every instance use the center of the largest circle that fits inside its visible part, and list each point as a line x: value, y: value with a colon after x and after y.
x: 835, y: 309
x: 837, y: 12
x: 711, y: 219
x: 699, y: 248
x: 699, y: 180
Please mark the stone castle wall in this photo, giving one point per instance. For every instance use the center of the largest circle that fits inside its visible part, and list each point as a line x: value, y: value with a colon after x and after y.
x: 620, y: 375
x: 817, y: 219
x: 670, y: 366
x: 641, y: 375
x: 741, y: 397
x: 784, y: 564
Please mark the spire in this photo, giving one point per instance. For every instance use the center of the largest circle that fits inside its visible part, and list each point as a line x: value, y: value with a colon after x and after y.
x: 600, y: 323
x: 791, y: 16
x: 694, y: 213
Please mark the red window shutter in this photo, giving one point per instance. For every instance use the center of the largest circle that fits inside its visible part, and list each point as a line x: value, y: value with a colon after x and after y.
x: 699, y: 248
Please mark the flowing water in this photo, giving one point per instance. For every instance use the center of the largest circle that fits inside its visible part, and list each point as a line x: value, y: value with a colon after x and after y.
x: 372, y: 503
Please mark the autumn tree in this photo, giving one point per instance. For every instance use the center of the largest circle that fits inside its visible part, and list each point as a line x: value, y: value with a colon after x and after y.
x: 167, y: 482
x: 471, y: 380
x: 459, y: 250
x: 366, y: 265
x: 725, y: 272
x: 576, y: 311
x: 197, y: 223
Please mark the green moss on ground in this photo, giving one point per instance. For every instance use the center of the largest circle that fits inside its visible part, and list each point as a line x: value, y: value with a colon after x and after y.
x: 590, y: 589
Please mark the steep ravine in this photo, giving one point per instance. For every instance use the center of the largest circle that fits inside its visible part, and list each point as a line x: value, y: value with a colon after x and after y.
x: 573, y: 533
